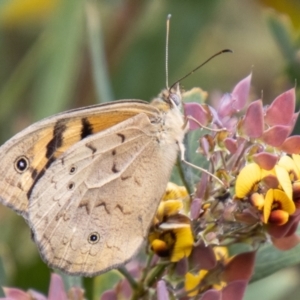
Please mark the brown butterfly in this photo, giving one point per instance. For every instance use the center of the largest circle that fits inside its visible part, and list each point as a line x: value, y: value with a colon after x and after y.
x: 88, y: 181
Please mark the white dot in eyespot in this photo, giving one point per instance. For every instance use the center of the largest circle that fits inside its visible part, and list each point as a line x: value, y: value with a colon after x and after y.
x: 21, y: 164
x: 94, y: 238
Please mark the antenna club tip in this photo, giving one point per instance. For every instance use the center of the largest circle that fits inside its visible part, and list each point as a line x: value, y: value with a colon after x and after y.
x: 227, y: 51
x: 169, y: 16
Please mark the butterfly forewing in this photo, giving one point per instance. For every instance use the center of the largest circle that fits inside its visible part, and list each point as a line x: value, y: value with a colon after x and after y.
x: 26, y: 156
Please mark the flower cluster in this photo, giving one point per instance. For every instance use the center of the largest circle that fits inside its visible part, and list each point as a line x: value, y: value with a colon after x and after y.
x: 171, y: 234
x: 257, y: 161
x: 251, y: 195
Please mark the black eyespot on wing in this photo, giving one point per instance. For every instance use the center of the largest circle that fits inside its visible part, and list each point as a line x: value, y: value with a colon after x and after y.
x: 21, y: 164
x: 94, y: 238
x: 72, y: 170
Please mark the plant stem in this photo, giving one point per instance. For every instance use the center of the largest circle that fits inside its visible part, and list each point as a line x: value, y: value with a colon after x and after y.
x: 127, y: 275
x: 155, y: 274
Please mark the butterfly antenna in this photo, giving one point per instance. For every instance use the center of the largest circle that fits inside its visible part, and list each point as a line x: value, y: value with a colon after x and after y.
x: 167, y: 51
x: 201, y: 65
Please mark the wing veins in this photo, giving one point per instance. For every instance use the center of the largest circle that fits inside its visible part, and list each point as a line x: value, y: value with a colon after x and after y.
x: 72, y: 217
x: 70, y: 203
x: 97, y: 154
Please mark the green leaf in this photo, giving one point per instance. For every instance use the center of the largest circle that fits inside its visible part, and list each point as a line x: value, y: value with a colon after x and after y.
x: 70, y: 281
x: 2, y: 278
x: 270, y: 260
x: 281, y: 30
x: 105, y: 282
x: 58, y: 74
x: 17, y: 82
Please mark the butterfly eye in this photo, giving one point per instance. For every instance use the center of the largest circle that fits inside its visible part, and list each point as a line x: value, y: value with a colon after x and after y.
x: 71, y: 186
x: 21, y: 164
x: 175, y: 99
x: 94, y: 238
x: 72, y: 170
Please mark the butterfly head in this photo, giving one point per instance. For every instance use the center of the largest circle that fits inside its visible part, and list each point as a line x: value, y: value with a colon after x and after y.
x: 169, y: 98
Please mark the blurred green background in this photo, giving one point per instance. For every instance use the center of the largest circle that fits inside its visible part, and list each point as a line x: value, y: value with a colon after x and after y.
x: 60, y: 54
